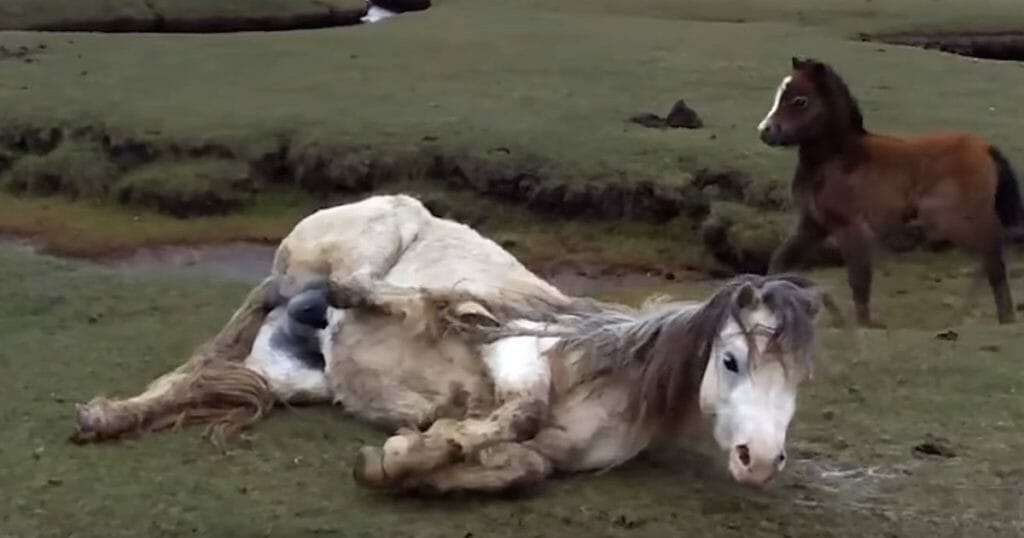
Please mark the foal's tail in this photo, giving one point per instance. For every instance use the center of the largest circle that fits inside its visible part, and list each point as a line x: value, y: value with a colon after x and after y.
x: 1009, y: 207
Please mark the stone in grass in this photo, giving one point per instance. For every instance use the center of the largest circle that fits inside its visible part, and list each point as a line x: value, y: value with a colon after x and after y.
x: 681, y: 116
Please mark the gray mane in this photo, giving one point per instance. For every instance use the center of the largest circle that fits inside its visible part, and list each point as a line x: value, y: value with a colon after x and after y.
x: 664, y: 347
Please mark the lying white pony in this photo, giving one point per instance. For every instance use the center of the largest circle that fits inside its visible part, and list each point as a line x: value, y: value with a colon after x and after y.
x: 488, y: 377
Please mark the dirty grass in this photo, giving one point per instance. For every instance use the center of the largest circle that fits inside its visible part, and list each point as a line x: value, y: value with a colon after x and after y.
x: 852, y: 468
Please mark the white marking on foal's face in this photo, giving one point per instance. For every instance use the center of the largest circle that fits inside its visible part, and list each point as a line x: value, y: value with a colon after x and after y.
x: 775, y: 106
x: 751, y: 404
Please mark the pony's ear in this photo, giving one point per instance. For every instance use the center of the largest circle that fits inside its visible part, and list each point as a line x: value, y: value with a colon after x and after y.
x: 747, y: 296
x: 797, y: 62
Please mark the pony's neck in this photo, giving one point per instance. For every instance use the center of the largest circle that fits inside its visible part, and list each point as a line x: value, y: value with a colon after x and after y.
x: 844, y: 145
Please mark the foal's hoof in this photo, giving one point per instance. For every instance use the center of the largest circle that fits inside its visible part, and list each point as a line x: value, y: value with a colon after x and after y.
x: 368, y: 470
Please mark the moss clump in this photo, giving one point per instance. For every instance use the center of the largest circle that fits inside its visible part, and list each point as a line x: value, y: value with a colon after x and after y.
x: 77, y: 169
x: 741, y: 237
x: 182, y: 189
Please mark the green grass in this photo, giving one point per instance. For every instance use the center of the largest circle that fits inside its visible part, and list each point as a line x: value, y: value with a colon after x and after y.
x: 551, y: 85
x: 71, y: 331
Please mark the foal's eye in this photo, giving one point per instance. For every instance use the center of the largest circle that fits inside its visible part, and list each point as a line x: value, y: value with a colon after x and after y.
x: 731, y: 363
x: 800, y: 101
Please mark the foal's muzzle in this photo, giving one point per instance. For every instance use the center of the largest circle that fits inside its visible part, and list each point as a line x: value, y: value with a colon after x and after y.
x: 771, y: 134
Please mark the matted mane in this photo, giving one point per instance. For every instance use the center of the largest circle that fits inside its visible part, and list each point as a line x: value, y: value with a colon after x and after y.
x: 665, y: 347
x: 833, y: 89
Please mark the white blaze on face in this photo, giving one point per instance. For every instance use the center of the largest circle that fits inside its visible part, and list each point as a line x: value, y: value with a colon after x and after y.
x: 775, y: 105
x: 751, y: 405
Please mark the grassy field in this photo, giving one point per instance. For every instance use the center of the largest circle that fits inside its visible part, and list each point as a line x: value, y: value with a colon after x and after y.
x: 104, y: 138
x: 71, y: 331
x: 507, y: 88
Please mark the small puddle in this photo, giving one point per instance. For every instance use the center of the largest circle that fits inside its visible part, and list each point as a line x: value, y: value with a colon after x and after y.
x: 246, y: 262
x: 240, y: 262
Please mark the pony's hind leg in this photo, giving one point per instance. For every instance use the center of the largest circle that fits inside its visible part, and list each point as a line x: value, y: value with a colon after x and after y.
x: 974, y: 228
x: 995, y: 269
x: 212, y: 385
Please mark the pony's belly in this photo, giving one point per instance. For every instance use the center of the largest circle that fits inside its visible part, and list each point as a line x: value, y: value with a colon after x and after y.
x: 382, y: 375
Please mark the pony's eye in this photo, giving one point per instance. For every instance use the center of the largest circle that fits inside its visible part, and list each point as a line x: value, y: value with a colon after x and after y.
x: 731, y: 363
x: 800, y: 101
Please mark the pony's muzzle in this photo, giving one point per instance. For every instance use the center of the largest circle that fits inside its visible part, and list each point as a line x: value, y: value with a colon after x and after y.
x: 755, y: 467
x: 771, y: 133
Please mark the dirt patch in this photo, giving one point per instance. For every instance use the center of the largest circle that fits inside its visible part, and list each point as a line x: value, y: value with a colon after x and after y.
x: 935, y: 446
x: 990, y: 46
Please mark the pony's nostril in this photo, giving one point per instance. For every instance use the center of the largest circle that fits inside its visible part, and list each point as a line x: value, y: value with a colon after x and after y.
x: 743, y: 452
x: 781, y: 459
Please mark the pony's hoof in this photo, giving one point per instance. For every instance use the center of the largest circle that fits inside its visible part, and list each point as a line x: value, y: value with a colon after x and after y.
x: 90, y: 422
x: 368, y: 470
x: 350, y: 294
x: 98, y: 420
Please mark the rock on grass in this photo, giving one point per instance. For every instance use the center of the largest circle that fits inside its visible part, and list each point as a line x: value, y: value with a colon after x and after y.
x: 182, y: 189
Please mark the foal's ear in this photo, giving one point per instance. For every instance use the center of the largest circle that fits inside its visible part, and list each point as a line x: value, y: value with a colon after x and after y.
x: 747, y: 296
x: 797, y: 62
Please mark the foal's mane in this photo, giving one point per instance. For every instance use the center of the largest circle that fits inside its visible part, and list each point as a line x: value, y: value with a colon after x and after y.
x: 842, y: 105
x: 664, y: 347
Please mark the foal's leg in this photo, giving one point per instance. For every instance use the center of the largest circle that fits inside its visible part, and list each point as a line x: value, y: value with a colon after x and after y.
x: 854, y: 242
x: 213, y: 376
x: 995, y: 269
x: 806, y: 235
x: 973, y: 226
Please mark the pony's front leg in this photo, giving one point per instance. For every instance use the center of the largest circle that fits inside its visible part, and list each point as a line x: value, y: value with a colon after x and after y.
x: 522, y: 382
x: 793, y: 251
x: 854, y: 242
x: 497, y: 468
